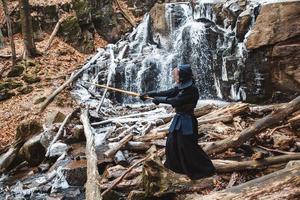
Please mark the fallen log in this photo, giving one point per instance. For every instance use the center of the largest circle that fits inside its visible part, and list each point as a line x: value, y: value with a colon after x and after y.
x: 224, y: 118
x: 282, y: 184
x: 109, y: 153
x: 223, y: 166
x: 270, y: 120
x: 70, y: 80
x: 53, y: 34
x: 118, y: 180
x: 295, y: 121
x: 150, y: 136
x: 92, y: 186
x: 126, y: 16
x: 158, y: 181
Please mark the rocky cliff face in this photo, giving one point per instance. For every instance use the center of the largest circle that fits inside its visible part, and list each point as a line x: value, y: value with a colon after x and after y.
x: 277, y: 34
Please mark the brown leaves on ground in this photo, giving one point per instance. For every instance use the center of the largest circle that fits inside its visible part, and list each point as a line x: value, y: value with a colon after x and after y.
x: 53, y: 67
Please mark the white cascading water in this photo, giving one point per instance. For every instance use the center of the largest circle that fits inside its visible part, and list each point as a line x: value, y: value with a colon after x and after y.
x: 144, y: 60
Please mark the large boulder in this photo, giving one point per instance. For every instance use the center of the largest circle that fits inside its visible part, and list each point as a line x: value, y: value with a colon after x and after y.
x: 27, y: 129
x: 275, y: 23
x: 158, y: 19
x: 33, y: 151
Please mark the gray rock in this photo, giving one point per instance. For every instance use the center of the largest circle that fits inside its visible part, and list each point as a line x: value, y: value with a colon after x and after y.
x: 54, y: 117
x: 57, y: 149
x: 75, y: 173
x: 33, y: 151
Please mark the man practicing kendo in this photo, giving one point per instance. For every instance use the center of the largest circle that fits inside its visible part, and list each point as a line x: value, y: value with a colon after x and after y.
x: 183, y: 154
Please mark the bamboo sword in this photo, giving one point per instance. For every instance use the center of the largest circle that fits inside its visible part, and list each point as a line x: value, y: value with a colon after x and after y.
x: 118, y: 90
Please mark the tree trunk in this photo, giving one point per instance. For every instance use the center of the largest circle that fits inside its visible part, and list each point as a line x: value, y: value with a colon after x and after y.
x: 270, y: 120
x: 1, y: 40
x: 282, y: 184
x: 92, y: 190
x: 26, y: 23
x: 10, y: 34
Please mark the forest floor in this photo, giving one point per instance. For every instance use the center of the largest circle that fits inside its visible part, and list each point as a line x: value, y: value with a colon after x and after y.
x: 53, y: 68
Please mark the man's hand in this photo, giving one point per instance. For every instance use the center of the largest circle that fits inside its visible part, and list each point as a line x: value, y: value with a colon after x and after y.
x: 144, y: 96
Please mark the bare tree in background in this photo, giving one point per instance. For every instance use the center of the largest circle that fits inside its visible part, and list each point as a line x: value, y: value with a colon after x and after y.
x: 1, y: 39
x: 26, y: 23
x: 9, y: 31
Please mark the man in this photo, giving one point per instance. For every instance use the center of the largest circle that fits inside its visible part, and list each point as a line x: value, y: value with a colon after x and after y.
x: 183, y: 154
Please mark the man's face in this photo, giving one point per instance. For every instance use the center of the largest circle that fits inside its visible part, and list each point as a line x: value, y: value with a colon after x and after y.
x: 175, y: 73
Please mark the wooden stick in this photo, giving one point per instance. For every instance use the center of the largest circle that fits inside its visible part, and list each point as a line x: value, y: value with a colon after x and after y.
x: 276, y: 150
x: 70, y: 80
x: 124, y: 174
x: 125, y: 14
x: 118, y: 90
x: 53, y: 34
x: 270, y: 120
x: 109, y: 153
x: 92, y: 187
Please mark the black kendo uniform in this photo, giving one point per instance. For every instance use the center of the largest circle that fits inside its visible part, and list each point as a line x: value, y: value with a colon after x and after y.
x: 183, y: 154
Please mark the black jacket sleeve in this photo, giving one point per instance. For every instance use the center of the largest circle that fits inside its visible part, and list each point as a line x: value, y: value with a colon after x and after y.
x: 183, y: 97
x: 167, y: 93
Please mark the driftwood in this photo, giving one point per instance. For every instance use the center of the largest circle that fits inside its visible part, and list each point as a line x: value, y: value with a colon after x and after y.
x: 272, y: 119
x: 118, y: 180
x: 60, y: 130
x: 111, y: 71
x: 111, y: 152
x: 53, y: 34
x: 295, y: 121
x: 229, y: 166
x: 282, y: 184
x: 224, y: 118
x: 126, y: 16
x: 158, y: 181
x: 70, y: 80
x: 92, y: 186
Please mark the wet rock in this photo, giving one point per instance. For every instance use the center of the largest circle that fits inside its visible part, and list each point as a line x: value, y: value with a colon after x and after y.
x: 27, y: 129
x: 243, y: 24
x: 17, y: 70
x: 75, y: 173
x: 74, y: 35
x: 33, y: 151
x: 29, y: 78
x: 7, y: 158
x: 25, y: 90
x: 57, y: 149
x: 54, y: 117
x: 285, y: 63
x: 106, y: 22
x: 275, y: 23
x: 158, y: 20
x: 82, y: 9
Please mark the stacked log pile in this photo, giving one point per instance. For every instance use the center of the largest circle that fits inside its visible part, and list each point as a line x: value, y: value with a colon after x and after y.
x: 124, y: 150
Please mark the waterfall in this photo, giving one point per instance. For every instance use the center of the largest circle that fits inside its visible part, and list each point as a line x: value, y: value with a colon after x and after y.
x: 145, y: 59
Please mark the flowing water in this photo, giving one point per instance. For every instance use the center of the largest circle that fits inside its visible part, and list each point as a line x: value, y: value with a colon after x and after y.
x: 144, y: 59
